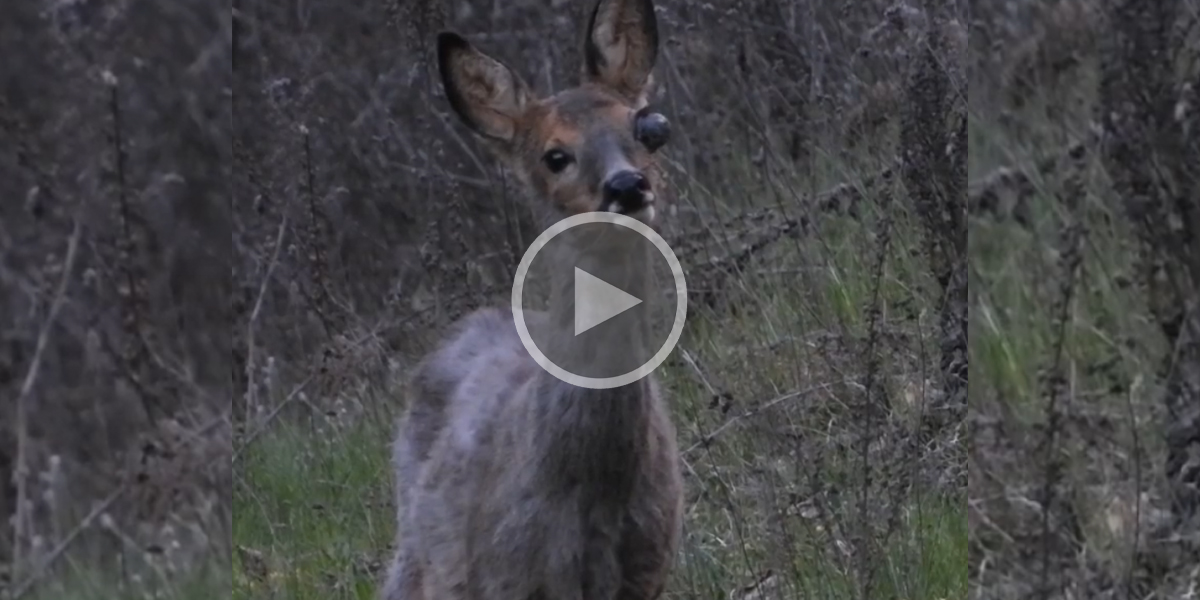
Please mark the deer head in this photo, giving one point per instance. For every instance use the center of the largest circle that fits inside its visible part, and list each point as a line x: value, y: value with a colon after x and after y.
x: 588, y: 148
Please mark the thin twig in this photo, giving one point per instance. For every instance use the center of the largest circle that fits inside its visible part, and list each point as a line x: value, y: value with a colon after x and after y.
x: 262, y: 292
x: 707, y: 439
x: 62, y: 546
x: 23, y: 397
x: 691, y: 361
x: 253, y: 435
x: 1134, y: 546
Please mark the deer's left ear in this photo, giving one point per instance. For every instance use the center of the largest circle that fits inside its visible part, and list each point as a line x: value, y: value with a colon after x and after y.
x: 620, y: 46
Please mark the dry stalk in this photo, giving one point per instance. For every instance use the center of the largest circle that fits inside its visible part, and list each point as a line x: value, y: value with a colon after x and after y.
x: 131, y: 290
x: 937, y: 183
x: 22, y: 519
x: 251, y: 389
x: 873, y: 400
x: 321, y: 304
x: 1071, y: 240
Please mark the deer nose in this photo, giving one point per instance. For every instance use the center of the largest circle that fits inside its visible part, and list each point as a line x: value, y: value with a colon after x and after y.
x: 627, y: 189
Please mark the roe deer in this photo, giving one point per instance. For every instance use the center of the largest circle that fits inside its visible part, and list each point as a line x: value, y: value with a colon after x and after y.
x: 510, y: 483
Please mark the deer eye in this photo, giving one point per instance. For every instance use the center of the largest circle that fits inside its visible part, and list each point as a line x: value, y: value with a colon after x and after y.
x: 557, y: 160
x: 653, y: 130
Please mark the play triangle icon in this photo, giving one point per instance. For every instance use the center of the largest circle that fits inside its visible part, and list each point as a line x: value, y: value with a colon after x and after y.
x: 597, y: 301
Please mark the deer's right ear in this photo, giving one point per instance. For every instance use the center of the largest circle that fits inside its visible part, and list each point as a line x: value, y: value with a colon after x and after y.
x: 485, y: 93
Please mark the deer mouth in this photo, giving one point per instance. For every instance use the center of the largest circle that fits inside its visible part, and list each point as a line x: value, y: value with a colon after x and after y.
x: 645, y: 212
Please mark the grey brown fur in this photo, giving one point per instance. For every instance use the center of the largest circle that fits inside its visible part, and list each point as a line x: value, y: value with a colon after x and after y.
x: 512, y: 484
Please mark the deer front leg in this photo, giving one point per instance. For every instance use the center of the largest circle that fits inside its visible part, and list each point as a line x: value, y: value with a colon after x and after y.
x: 404, y: 581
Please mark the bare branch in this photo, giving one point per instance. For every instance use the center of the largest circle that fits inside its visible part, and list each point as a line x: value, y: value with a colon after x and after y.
x: 24, y: 397
x: 62, y: 546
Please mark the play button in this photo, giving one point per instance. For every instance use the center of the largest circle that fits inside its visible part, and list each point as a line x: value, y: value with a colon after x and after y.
x: 597, y: 301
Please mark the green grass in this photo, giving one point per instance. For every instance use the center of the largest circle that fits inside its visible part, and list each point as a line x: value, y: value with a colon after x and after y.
x: 1016, y: 279
x: 319, y: 512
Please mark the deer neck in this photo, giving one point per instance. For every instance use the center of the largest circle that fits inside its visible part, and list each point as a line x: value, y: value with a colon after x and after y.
x: 596, y: 435
x: 622, y: 265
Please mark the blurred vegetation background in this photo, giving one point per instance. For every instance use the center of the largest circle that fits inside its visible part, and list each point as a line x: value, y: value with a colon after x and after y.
x: 116, y: 169
x: 1085, y: 301
x: 169, y: 401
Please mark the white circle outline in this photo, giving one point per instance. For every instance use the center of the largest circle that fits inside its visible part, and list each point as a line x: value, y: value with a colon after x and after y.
x: 518, y: 290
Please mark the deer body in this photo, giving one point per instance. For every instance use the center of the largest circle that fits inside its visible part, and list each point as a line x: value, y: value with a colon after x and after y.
x: 532, y: 488
x: 512, y: 484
